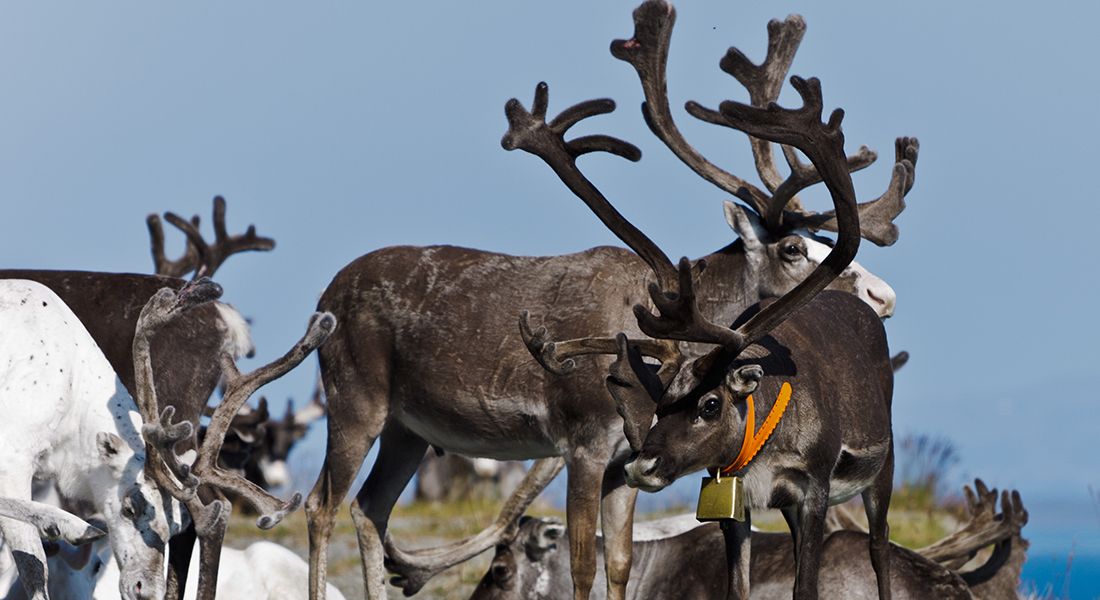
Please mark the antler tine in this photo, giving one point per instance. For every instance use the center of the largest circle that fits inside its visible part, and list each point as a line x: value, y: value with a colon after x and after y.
x: 984, y: 528
x: 186, y: 263
x: 415, y: 568
x: 557, y: 357
x: 647, y: 52
x: 637, y: 390
x: 157, y: 429
x: 238, y: 389
x: 201, y: 257
x: 876, y: 217
x: 529, y: 131
x: 764, y: 82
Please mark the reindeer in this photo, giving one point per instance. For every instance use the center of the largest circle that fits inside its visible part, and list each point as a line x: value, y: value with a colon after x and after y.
x: 835, y: 441
x: 69, y: 417
x: 681, y: 558
x: 423, y: 356
x: 186, y: 354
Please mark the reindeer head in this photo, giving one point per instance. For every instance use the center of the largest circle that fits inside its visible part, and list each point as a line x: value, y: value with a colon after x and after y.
x: 705, y: 424
x: 532, y: 563
x: 139, y: 515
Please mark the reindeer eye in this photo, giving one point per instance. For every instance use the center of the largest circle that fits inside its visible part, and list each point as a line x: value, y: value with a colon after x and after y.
x: 711, y: 407
x: 792, y: 250
x: 501, y: 572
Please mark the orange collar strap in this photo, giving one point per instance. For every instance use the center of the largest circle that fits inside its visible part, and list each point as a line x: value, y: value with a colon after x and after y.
x: 752, y: 443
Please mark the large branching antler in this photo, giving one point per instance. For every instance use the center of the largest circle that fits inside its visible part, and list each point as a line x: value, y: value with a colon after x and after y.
x: 823, y: 143
x: 414, y: 569
x: 162, y: 464
x: 647, y: 52
x: 201, y: 257
x: 239, y: 388
x: 529, y: 131
x: 985, y: 527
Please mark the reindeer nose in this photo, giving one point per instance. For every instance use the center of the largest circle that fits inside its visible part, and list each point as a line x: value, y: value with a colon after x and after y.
x: 880, y: 296
x: 640, y: 469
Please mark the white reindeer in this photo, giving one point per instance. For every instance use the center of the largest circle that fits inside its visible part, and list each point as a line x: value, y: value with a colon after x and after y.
x: 67, y: 416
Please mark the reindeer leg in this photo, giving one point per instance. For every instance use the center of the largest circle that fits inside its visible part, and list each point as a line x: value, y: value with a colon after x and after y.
x: 876, y: 500
x: 30, y: 558
x: 582, y: 503
x: 357, y: 401
x: 617, y: 507
x: 810, y: 538
x: 737, y: 535
x: 342, y: 463
x: 399, y: 454
x: 22, y: 537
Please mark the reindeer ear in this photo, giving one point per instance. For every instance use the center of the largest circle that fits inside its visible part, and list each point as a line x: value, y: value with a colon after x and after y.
x: 113, y: 450
x: 746, y: 224
x: 743, y: 380
x: 543, y: 537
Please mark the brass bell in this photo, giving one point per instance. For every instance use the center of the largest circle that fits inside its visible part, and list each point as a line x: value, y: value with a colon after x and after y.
x: 721, y: 498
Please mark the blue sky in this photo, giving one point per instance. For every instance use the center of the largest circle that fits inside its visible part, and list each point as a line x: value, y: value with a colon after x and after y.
x: 339, y: 128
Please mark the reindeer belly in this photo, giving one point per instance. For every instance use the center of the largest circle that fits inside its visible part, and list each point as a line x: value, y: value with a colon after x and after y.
x: 502, y: 429
x: 778, y: 480
x: 854, y: 471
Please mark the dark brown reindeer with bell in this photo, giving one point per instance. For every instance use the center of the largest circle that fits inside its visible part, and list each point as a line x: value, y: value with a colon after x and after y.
x: 812, y: 371
x: 425, y: 352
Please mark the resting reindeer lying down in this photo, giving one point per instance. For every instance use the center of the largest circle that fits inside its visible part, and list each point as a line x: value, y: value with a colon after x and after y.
x: 263, y: 571
x: 680, y: 558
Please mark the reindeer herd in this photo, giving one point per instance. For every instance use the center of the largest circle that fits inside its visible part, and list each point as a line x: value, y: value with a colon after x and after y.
x: 765, y: 362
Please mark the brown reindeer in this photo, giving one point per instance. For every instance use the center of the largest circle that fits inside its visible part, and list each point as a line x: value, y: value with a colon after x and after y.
x: 424, y: 353
x: 594, y: 292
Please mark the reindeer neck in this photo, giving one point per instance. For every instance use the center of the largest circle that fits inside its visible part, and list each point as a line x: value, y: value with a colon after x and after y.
x: 109, y: 409
x: 727, y: 287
